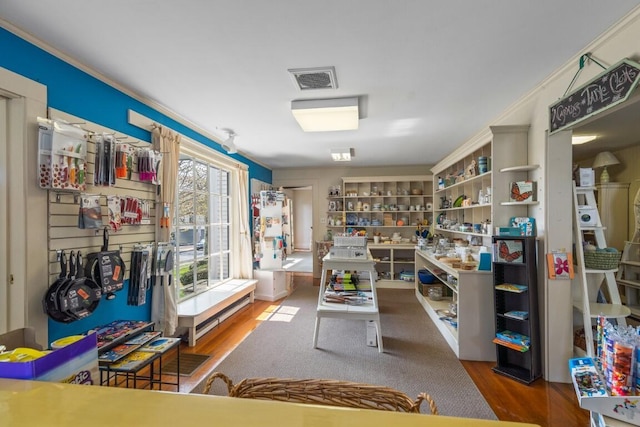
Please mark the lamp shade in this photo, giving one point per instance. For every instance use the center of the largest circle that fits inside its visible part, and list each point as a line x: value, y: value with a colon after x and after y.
x: 606, y: 158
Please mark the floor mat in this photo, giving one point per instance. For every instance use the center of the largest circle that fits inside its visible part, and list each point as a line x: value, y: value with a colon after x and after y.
x: 189, y: 362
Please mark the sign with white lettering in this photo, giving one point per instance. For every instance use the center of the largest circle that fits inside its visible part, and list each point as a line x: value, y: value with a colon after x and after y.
x: 610, y: 88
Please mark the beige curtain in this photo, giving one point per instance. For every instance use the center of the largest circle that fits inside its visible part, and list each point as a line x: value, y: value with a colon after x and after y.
x: 244, y: 268
x: 164, y: 309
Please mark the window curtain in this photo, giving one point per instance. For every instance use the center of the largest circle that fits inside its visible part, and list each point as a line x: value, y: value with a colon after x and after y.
x: 244, y: 268
x: 164, y: 310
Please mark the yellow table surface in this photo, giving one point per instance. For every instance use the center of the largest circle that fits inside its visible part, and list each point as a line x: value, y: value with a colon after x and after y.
x: 34, y: 403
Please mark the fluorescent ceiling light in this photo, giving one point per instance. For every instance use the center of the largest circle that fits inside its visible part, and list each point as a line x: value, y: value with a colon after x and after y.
x: 320, y: 115
x: 583, y: 139
x: 341, y: 154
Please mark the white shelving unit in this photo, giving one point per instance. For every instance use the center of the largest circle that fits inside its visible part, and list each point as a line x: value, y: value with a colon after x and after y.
x: 391, y: 261
x: 376, y: 205
x: 507, y: 154
x: 472, y: 291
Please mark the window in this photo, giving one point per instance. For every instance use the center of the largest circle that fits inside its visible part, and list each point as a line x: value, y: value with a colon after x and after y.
x: 202, y: 227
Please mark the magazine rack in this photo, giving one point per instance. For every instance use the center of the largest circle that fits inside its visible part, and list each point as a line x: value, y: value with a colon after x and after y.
x: 124, y: 358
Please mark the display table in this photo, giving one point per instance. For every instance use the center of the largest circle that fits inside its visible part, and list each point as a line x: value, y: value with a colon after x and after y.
x: 126, y: 347
x: 367, y: 311
x: 138, y: 360
x: 63, y: 405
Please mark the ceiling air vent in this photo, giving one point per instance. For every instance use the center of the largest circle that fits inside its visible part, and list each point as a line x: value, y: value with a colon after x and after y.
x: 314, y: 78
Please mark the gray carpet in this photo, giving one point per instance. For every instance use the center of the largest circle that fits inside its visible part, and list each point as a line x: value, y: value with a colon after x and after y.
x: 416, y: 358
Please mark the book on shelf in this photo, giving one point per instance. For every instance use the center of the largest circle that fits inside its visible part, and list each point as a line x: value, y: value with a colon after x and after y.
x: 517, y: 314
x: 159, y: 345
x: 511, y: 287
x: 520, y: 348
x: 133, y: 360
x: 118, y: 329
x: 143, y: 338
x: 514, y: 337
x: 117, y: 352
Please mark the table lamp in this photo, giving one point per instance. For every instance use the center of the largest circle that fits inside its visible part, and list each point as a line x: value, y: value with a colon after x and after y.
x: 604, y: 159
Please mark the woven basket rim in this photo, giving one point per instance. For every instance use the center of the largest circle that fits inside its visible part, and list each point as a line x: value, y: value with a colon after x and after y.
x: 601, y: 260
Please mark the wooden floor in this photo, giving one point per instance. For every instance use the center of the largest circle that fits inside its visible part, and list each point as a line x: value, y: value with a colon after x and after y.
x: 542, y: 403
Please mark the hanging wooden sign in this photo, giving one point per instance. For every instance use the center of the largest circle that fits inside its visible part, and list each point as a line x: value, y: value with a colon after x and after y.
x: 608, y: 89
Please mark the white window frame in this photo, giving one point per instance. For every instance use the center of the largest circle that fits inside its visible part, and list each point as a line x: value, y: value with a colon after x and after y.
x: 205, y: 154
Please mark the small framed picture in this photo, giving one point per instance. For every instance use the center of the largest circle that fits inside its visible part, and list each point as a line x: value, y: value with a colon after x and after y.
x: 509, y: 251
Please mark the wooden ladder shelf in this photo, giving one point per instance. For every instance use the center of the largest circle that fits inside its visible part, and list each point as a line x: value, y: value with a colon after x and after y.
x: 595, y: 284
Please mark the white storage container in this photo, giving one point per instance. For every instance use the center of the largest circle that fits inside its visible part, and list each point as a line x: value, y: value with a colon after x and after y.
x: 348, y: 253
x: 344, y: 241
x: 588, y: 216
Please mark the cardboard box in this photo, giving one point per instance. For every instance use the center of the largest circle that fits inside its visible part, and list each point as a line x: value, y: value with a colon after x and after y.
x: 76, y: 363
x: 587, y: 177
x: 508, y: 231
x: 588, y: 216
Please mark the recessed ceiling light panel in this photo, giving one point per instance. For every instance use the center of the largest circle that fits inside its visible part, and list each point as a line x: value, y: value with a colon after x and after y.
x: 320, y: 115
x: 341, y: 154
x: 314, y: 78
x: 583, y: 139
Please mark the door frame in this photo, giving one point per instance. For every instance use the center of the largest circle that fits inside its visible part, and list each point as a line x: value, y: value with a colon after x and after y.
x: 313, y: 183
x: 26, y: 263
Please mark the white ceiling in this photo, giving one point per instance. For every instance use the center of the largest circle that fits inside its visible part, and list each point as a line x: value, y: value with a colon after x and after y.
x: 430, y: 74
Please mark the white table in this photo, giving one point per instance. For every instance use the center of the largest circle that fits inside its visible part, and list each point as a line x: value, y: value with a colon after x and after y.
x: 367, y: 311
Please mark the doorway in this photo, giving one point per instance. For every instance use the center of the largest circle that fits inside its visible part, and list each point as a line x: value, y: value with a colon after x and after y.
x: 300, y: 246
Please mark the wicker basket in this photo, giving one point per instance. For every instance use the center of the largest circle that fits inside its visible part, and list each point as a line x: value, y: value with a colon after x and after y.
x: 324, y: 392
x: 602, y: 260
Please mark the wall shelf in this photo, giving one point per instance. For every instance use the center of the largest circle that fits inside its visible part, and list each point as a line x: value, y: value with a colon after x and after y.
x: 518, y: 203
x: 523, y: 168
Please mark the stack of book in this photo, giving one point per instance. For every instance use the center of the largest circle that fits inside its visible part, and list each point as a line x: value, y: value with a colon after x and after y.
x: 344, y: 282
x: 513, y: 340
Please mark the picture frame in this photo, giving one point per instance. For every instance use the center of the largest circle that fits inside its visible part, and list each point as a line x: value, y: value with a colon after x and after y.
x: 509, y: 251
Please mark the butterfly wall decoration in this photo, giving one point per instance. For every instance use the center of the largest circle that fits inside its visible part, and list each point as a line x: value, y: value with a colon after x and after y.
x: 522, y: 191
x: 509, y: 250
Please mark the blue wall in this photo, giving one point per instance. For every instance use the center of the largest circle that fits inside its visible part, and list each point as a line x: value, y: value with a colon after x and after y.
x: 78, y: 93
